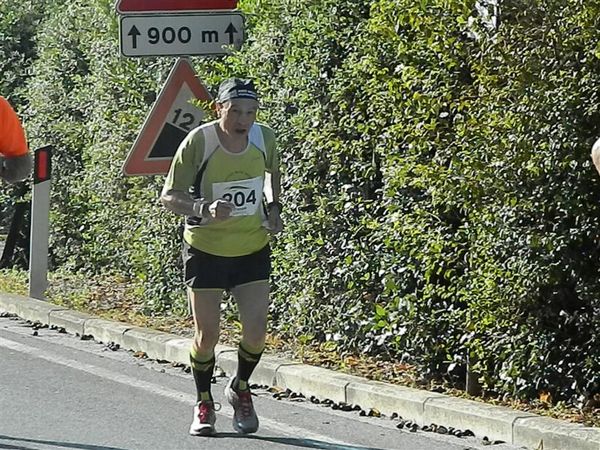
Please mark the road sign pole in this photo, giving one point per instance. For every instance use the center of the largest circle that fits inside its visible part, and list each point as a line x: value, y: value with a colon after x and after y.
x: 40, y: 221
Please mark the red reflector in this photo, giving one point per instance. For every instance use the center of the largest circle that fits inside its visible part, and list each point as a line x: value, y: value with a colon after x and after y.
x: 42, y: 169
x: 42, y: 166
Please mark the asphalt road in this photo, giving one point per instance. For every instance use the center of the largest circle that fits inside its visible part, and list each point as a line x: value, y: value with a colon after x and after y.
x: 60, y: 392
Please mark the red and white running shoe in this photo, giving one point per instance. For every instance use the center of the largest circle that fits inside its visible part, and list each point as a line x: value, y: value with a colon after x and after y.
x: 204, y: 419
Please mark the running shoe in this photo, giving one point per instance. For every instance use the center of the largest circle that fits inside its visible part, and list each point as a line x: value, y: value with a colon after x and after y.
x: 204, y: 419
x: 245, y: 419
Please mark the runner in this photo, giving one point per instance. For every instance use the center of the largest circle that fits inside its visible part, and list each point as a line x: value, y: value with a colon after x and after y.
x: 216, y: 180
x: 15, y: 159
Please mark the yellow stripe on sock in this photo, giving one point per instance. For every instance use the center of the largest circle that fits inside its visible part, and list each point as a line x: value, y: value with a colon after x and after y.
x: 201, y: 361
x: 250, y: 353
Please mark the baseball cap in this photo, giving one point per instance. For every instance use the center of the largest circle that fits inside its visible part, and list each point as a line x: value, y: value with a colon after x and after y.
x: 236, y: 88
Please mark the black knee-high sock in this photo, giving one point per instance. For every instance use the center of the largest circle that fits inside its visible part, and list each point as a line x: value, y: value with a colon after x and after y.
x: 247, y: 362
x: 203, y: 372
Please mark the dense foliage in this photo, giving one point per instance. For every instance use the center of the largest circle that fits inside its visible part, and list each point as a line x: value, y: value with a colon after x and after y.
x: 440, y: 202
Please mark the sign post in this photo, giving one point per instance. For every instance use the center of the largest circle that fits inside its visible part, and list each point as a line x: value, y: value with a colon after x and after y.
x: 40, y: 220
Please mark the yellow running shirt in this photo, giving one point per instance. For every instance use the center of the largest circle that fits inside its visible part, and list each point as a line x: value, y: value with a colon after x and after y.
x: 236, y: 177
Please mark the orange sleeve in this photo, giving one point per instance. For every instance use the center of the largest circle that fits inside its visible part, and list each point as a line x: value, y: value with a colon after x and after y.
x: 12, y: 135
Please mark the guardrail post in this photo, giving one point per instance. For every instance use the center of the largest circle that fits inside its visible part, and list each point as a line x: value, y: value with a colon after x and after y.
x: 40, y: 221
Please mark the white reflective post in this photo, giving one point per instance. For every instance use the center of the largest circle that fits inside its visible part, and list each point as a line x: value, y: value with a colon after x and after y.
x: 40, y: 219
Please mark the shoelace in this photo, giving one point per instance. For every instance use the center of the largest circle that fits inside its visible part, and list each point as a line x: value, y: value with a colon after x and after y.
x: 245, y: 403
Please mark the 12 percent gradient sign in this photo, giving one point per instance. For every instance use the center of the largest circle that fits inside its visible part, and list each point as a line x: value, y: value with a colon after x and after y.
x: 181, y: 34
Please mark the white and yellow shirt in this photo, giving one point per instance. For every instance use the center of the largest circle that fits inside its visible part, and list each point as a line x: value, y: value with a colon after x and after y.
x: 203, y: 167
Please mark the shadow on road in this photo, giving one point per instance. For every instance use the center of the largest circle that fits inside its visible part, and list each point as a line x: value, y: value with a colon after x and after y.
x: 301, y: 443
x: 18, y: 444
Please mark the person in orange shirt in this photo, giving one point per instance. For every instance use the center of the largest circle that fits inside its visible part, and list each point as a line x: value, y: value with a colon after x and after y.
x: 15, y: 159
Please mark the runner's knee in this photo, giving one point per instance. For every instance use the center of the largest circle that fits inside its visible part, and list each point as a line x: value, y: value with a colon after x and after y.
x: 206, y: 340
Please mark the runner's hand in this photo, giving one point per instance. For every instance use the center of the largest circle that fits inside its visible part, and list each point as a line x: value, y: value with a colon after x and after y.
x: 274, y: 223
x: 220, y: 209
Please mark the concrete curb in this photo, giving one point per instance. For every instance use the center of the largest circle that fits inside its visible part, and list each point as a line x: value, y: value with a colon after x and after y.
x: 423, y: 407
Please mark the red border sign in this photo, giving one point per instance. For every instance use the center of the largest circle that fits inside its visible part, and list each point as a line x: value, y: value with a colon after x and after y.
x: 143, y: 6
x: 138, y: 161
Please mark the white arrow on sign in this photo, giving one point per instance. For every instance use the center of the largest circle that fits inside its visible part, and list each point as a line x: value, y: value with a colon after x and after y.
x: 178, y: 35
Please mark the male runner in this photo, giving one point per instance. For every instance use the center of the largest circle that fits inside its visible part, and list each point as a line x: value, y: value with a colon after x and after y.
x: 217, y: 179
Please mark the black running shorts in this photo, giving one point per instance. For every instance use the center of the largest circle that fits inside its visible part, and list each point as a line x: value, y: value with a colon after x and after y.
x: 205, y: 271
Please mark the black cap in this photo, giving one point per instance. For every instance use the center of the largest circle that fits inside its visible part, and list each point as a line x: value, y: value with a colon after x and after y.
x: 236, y: 88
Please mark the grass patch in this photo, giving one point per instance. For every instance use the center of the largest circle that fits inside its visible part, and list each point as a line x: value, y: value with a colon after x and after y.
x: 14, y: 281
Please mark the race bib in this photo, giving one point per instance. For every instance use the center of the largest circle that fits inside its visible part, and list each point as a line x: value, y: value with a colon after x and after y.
x: 246, y: 195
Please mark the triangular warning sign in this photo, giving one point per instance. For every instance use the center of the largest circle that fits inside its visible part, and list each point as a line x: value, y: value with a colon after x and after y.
x: 172, y: 117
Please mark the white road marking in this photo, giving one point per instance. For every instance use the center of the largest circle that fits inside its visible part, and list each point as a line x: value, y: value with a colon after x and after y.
x: 323, y: 442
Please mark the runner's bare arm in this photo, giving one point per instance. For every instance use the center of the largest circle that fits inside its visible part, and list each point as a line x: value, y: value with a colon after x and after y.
x: 182, y: 203
x: 276, y: 185
x: 272, y: 191
x: 272, y: 186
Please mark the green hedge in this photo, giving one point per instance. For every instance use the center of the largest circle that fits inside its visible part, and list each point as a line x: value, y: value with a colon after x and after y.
x: 440, y: 202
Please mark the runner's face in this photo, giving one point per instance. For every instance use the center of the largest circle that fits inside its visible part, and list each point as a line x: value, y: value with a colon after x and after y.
x: 237, y: 115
